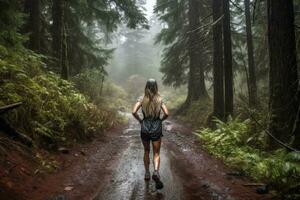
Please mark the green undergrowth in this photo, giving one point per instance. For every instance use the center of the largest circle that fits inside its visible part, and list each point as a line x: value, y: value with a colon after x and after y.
x: 236, y: 144
x: 174, y: 98
x: 92, y: 84
x: 196, y: 114
x: 53, y: 110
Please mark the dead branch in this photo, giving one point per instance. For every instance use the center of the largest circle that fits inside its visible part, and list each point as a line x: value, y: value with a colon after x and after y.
x: 6, y: 108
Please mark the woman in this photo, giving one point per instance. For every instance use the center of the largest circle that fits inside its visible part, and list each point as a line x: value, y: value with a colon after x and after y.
x: 151, y: 127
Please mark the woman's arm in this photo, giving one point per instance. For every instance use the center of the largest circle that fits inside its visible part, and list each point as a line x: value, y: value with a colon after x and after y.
x: 166, y: 112
x: 135, y: 109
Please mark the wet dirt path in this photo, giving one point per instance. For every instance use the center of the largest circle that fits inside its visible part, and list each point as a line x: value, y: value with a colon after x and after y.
x: 187, y: 171
x: 128, y: 179
x: 111, y: 168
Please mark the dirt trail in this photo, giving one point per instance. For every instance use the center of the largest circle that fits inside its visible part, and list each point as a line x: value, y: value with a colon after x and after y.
x: 128, y: 179
x: 113, y: 170
x: 186, y: 170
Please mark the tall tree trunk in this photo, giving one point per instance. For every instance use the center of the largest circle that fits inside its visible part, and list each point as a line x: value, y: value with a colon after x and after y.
x: 33, y: 25
x: 227, y: 60
x: 296, y: 128
x: 65, y: 64
x: 196, y: 83
x: 59, y: 37
x: 218, y: 71
x: 251, y: 64
x: 283, y: 69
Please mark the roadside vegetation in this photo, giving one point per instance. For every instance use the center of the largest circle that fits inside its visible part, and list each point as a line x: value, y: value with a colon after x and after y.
x: 54, y: 110
x: 239, y: 146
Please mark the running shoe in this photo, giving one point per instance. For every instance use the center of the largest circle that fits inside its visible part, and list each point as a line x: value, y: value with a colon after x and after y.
x: 158, y: 184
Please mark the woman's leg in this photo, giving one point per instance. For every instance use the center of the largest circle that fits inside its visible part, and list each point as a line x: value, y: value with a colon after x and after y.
x: 146, y: 145
x: 156, y: 154
x: 156, y: 161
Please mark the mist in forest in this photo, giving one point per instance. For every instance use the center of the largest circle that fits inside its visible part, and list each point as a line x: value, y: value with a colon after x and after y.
x: 71, y: 74
x: 136, y: 57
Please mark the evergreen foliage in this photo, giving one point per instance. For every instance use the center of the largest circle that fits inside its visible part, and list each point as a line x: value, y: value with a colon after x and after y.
x: 174, y: 64
x: 185, y: 56
x: 52, y: 108
x: 88, y: 28
x: 11, y: 19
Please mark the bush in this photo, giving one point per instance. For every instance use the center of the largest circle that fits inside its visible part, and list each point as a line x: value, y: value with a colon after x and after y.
x: 174, y: 97
x: 100, y: 91
x: 231, y: 142
x: 196, y: 114
x: 52, y: 108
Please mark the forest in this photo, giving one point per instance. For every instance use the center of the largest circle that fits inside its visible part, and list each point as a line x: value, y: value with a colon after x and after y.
x: 71, y: 71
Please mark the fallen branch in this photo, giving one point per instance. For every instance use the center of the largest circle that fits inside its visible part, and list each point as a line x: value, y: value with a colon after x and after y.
x: 14, y: 134
x: 268, y: 132
x: 6, y: 108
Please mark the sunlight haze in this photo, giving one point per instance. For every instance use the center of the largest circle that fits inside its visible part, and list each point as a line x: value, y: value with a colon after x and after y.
x: 149, y: 6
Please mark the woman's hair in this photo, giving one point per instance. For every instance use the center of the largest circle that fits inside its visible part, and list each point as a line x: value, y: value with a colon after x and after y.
x: 152, y: 100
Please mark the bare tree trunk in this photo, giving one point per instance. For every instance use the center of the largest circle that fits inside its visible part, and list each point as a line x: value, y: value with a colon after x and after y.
x: 196, y: 83
x: 59, y: 43
x: 65, y: 64
x: 227, y: 60
x: 102, y: 83
x: 296, y: 128
x: 33, y: 25
x: 57, y: 29
x: 218, y: 71
x: 251, y: 64
x: 283, y: 69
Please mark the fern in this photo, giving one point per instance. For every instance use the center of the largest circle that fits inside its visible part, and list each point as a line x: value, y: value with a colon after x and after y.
x: 51, y: 105
x: 230, y: 142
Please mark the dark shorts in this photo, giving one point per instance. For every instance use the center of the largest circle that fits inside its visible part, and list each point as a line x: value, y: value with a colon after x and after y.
x: 151, y: 129
x: 151, y: 137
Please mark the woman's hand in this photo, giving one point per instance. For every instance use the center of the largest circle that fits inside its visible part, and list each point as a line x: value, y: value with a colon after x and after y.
x: 135, y: 109
x: 166, y: 112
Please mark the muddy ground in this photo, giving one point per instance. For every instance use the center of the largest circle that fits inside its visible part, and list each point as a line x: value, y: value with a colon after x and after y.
x: 111, y: 168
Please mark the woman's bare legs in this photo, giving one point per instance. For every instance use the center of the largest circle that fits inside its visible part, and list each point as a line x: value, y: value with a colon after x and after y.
x: 156, y: 154
x: 146, y: 145
x: 156, y: 162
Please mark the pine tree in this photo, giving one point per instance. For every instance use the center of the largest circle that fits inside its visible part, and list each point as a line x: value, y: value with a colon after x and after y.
x: 251, y: 64
x: 174, y: 62
x: 227, y: 60
x: 184, y: 54
x: 196, y: 84
x: 283, y: 101
x: 11, y: 19
x: 218, y: 70
x: 59, y: 36
x: 33, y: 25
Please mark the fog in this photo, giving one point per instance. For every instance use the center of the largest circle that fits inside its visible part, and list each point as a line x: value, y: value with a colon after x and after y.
x: 135, y: 55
